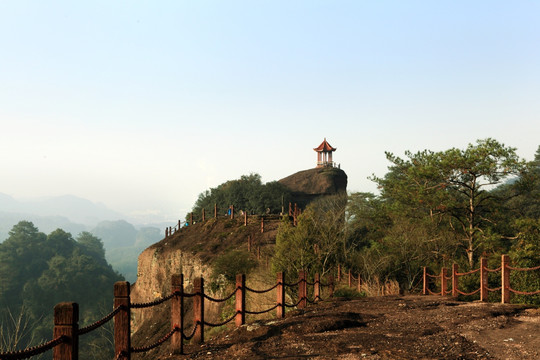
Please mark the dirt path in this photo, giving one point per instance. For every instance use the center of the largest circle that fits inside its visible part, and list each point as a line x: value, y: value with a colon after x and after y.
x: 393, y: 327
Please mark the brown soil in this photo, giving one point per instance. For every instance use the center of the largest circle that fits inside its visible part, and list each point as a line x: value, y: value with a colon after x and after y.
x: 391, y: 327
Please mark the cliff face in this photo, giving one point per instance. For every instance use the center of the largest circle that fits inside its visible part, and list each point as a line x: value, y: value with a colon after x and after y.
x: 307, y: 185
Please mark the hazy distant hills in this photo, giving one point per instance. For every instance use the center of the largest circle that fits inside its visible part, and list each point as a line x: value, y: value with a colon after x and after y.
x: 80, y: 210
x: 122, y: 240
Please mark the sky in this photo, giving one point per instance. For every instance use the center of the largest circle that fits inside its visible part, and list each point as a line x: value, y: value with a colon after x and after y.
x: 143, y: 105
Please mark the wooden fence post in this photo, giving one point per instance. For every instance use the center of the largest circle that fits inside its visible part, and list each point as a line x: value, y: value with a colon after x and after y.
x: 290, y: 209
x: 505, y: 279
x: 166, y: 232
x: 177, y: 313
x: 232, y: 211
x: 245, y: 218
x: 262, y: 224
x: 240, y: 299
x: 455, y: 280
x: 483, y: 280
x: 359, y: 286
x: 425, y: 287
x: 444, y: 283
x: 122, y: 320
x: 280, y: 310
x: 215, y: 211
x: 317, y: 288
x: 198, y: 310
x: 302, y: 289
x: 203, y: 214
x: 66, y: 319
x: 350, y: 278
x: 179, y: 225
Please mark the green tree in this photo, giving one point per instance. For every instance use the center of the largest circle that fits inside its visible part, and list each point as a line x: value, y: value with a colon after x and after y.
x: 452, y: 186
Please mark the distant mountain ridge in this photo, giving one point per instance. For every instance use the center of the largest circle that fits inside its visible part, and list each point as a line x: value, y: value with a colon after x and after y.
x: 77, y: 209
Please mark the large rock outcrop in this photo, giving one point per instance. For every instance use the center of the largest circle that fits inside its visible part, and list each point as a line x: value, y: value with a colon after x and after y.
x: 308, y: 185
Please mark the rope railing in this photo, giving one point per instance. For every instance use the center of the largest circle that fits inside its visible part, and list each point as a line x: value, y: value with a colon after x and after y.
x: 66, y: 331
x: 156, y: 344
x: 505, y: 288
x: 100, y: 322
x: 35, y: 350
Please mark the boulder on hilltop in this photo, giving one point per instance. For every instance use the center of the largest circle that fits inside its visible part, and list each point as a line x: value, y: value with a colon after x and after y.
x: 308, y: 185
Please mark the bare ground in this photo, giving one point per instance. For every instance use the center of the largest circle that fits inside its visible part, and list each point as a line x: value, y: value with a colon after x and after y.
x: 391, y: 327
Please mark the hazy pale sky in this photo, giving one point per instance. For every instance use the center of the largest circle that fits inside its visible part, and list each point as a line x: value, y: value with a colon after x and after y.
x: 142, y: 105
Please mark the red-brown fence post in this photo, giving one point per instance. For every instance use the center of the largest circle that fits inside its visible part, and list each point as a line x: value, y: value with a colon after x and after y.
x: 177, y: 313
x: 215, y: 211
x: 232, y: 211
x: 166, y: 232
x: 505, y: 279
x: 122, y: 320
x: 455, y: 280
x: 317, y: 288
x: 245, y: 218
x: 302, y: 289
x: 240, y: 299
x: 203, y: 214
x: 350, y: 278
x: 425, y: 287
x: 444, y: 284
x: 262, y: 224
x: 170, y: 230
x: 359, y: 286
x: 66, y: 323
x: 290, y: 209
x: 280, y: 310
x: 198, y: 310
x: 483, y: 280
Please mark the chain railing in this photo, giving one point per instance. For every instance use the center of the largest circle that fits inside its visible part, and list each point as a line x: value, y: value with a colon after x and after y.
x: 66, y: 331
x: 483, y: 289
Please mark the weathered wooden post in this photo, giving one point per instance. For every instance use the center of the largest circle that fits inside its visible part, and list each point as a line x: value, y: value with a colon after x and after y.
x: 350, y: 278
x: 505, y: 279
x: 425, y: 287
x: 179, y: 225
x: 122, y: 320
x: 262, y: 224
x: 302, y: 289
x: 232, y: 211
x: 483, y: 280
x: 198, y: 310
x: 280, y: 310
x: 444, y: 284
x: 245, y: 218
x: 170, y: 230
x: 66, y: 323
x: 240, y: 300
x: 215, y: 211
x: 359, y: 285
x: 203, y: 214
x: 177, y: 313
x: 290, y: 209
x: 166, y: 232
x: 317, y: 287
x: 455, y: 280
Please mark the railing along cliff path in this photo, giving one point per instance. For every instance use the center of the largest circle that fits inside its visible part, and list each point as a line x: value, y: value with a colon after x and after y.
x: 505, y: 288
x: 66, y: 332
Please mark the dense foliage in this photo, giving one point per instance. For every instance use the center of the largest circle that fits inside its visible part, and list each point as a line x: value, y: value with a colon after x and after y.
x: 247, y: 193
x: 434, y: 209
x: 37, y: 271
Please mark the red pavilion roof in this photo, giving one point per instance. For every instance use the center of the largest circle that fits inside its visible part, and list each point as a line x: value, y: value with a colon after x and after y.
x: 325, y: 147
